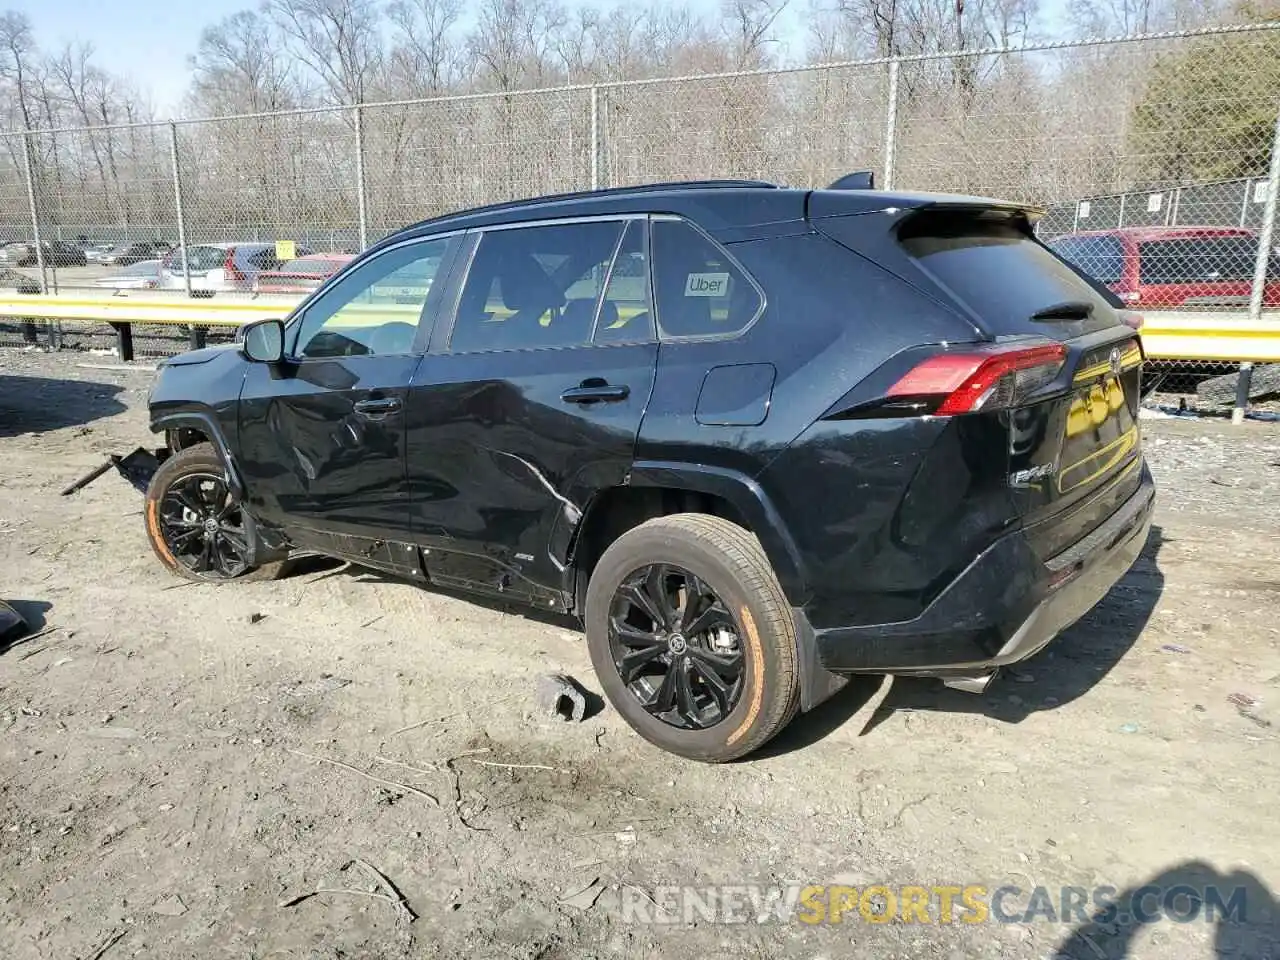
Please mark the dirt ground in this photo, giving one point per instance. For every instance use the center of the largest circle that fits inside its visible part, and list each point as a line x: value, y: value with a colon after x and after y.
x: 160, y: 798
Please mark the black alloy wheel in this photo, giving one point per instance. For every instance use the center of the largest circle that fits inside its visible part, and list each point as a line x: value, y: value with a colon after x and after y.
x: 676, y: 646
x: 203, y: 527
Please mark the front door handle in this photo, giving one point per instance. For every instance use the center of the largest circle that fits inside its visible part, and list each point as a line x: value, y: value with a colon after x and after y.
x: 378, y: 408
x: 596, y: 393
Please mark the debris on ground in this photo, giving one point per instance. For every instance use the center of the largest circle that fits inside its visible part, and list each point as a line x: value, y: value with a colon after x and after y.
x: 1174, y: 648
x: 1243, y: 700
x: 560, y: 696
x: 137, y: 467
x: 12, y: 625
x: 170, y: 906
x: 584, y: 896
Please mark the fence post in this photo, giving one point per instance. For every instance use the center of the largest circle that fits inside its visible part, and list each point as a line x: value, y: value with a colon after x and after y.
x: 891, y: 125
x: 31, y: 201
x: 1266, y: 230
x: 177, y: 205
x: 362, y: 202
x: 595, y: 137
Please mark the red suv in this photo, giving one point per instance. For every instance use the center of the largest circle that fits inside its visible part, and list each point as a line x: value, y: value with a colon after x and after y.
x: 1164, y: 268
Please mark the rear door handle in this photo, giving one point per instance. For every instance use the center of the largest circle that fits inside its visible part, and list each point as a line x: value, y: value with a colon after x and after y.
x: 596, y: 393
x: 376, y: 409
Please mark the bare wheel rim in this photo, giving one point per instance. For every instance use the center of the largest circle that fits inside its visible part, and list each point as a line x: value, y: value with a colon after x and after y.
x: 203, y: 526
x: 676, y: 646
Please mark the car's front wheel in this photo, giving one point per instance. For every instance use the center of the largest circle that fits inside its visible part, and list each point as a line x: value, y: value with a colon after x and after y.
x: 195, y: 525
x: 692, y: 637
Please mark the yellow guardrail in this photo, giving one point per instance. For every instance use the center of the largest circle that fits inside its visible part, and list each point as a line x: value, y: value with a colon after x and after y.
x: 1210, y: 336
x: 145, y: 309
x: 1165, y: 335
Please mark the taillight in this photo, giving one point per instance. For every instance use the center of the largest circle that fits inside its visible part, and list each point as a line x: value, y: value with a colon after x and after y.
x: 1131, y: 319
x: 993, y: 378
x: 229, y: 267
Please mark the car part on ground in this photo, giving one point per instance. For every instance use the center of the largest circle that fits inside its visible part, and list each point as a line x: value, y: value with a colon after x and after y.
x: 759, y: 439
x: 12, y: 623
x: 137, y: 467
x: 1264, y: 384
x: 559, y: 696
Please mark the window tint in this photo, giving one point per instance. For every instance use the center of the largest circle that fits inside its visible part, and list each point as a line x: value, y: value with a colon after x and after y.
x: 1100, y: 257
x: 262, y: 259
x: 698, y: 289
x: 625, y: 315
x: 377, y: 308
x: 202, y: 258
x: 534, y: 287
x: 1001, y: 273
x: 1197, y: 259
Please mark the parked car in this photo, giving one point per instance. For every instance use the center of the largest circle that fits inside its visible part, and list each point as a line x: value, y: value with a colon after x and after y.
x: 127, y: 253
x: 143, y: 275
x: 221, y: 267
x: 303, y: 275
x: 757, y: 438
x: 1165, y: 268
x: 98, y: 252
x: 56, y: 254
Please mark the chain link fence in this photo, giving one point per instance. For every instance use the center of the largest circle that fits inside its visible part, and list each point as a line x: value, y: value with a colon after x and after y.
x: 1155, y: 157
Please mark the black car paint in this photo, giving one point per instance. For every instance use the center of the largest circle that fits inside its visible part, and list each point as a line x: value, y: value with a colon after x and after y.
x: 484, y: 477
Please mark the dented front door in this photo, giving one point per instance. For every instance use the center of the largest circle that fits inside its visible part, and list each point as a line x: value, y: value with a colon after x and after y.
x: 504, y: 456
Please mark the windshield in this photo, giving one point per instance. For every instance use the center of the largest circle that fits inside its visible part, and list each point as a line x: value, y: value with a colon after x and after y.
x: 1191, y: 259
x: 1100, y: 257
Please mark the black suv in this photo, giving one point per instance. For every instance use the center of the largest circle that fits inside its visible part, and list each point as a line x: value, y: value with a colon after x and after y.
x: 757, y: 438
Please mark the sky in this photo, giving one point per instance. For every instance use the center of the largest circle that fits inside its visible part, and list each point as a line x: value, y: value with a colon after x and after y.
x: 151, y: 41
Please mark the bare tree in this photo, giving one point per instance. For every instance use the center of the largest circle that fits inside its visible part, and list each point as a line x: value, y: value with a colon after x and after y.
x: 241, y: 65
x: 17, y: 50
x: 425, y: 55
x: 337, y: 40
x: 749, y: 25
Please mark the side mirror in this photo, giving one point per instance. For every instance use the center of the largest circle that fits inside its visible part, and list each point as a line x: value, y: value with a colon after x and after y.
x: 264, y: 341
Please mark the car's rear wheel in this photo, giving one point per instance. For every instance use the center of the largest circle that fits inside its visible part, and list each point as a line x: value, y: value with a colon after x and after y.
x: 692, y: 638
x: 195, y: 525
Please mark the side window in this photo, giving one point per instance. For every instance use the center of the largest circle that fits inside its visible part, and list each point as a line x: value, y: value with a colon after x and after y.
x: 625, y: 315
x: 533, y: 287
x: 263, y: 259
x: 377, y: 308
x: 699, y: 291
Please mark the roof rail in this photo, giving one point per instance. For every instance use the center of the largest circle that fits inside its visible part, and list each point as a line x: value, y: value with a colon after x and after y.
x: 862, y: 180
x: 607, y: 191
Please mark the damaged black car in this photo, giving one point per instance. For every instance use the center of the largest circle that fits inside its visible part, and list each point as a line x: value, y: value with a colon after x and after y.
x: 757, y: 438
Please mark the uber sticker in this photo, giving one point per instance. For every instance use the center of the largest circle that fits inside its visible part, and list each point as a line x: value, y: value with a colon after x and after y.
x: 706, y: 285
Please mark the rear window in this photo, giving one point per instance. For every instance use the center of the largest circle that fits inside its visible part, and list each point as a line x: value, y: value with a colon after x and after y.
x: 1197, y: 259
x: 1002, y: 274
x: 1100, y: 257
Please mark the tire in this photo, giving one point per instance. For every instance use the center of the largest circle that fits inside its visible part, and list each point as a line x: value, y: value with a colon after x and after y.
x: 755, y: 629
x: 1264, y: 383
x: 175, y: 532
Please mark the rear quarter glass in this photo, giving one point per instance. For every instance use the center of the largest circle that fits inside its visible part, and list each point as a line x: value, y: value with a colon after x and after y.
x: 1004, y: 276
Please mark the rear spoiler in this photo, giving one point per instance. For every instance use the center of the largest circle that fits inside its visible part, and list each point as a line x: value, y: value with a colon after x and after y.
x: 841, y: 200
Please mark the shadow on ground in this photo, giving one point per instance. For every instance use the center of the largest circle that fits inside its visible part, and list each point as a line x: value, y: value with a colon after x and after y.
x: 37, y: 404
x: 33, y: 614
x: 1064, y: 671
x: 1242, y: 909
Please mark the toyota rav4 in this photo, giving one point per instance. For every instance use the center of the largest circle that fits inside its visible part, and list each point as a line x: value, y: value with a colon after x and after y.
x: 757, y: 438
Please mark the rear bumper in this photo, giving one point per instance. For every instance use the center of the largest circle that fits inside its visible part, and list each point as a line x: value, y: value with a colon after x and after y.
x: 1003, y: 608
